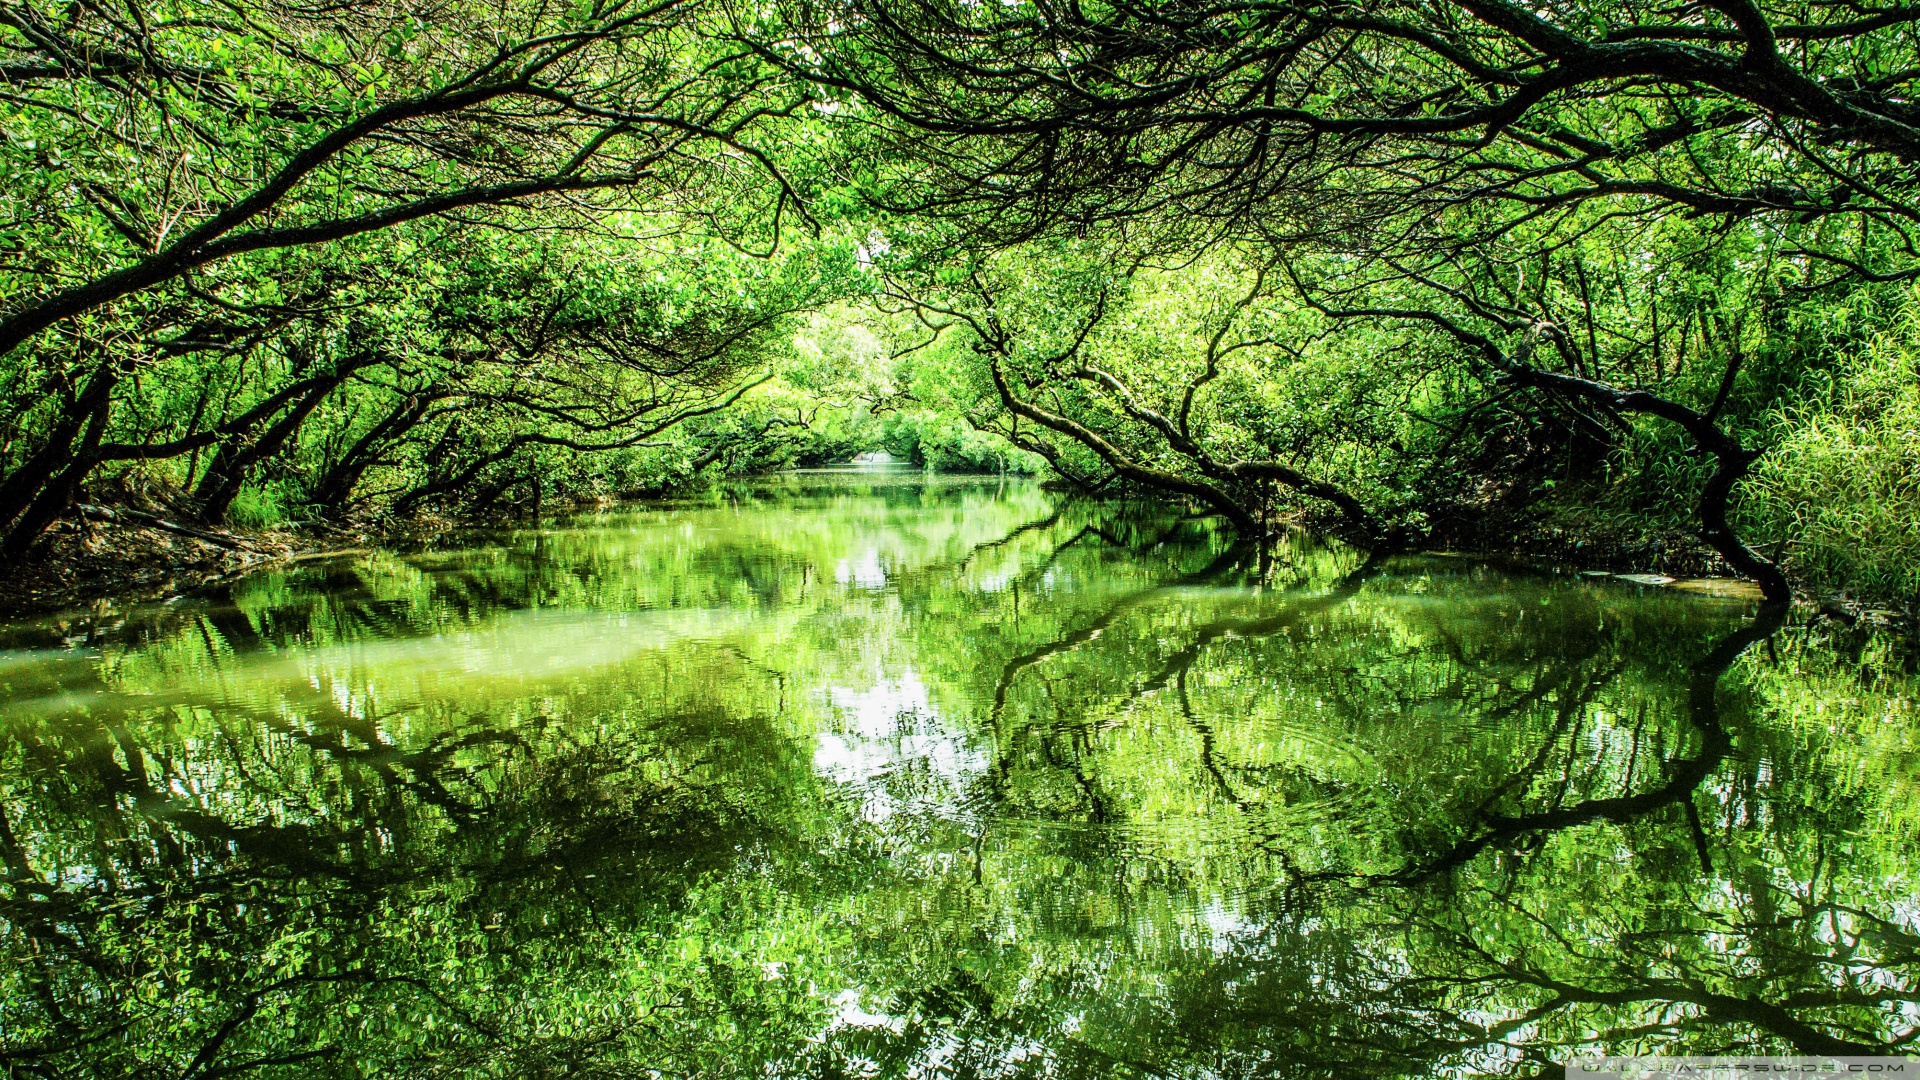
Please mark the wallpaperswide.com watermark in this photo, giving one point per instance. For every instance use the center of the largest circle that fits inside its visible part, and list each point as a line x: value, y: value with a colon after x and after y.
x: 1742, y: 1068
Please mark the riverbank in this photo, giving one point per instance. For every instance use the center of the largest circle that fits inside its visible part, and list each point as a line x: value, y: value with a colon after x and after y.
x: 1632, y: 550
x: 116, y: 556
x: 110, y: 556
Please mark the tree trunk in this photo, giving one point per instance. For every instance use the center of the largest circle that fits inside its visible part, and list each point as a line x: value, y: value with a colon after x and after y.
x: 336, y: 487
x: 1732, y: 461
x: 233, y: 463
x: 57, y: 494
x: 20, y: 490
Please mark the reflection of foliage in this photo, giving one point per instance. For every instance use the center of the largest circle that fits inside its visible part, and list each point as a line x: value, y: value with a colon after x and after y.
x: 1175, y: 806
x: 374, y: 894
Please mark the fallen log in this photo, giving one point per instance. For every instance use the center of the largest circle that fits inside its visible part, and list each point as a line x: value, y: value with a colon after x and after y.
x: 126, y: 516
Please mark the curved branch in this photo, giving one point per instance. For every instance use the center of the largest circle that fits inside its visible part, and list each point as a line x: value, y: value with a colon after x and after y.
x: 1119, y: 462
x: 1732, y: 463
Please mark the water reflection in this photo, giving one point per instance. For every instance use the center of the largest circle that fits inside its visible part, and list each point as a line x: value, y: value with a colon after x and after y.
x: 880, y: 776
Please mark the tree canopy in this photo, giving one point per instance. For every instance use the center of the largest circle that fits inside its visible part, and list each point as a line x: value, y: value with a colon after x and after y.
x: 1458, y: 273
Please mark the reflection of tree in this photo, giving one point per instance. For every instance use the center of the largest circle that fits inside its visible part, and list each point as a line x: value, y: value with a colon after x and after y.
x: 1073, y: 756
x: 1462, y: 948
x: 1230, y: 816
x: 1683, y: 775
x: 1617, y: 976
x: 355, y: 874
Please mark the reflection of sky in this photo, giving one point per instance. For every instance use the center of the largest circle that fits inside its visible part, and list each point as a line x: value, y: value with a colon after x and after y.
x: 850, y: 1012
x: 885, y: 727
x: 863, y: 570
x: 993, y: 583
x: 1226, y: 927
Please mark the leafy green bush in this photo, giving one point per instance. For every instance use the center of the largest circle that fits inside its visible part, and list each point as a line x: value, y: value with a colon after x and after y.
x: 1843, y: 484
x: 263, y: 506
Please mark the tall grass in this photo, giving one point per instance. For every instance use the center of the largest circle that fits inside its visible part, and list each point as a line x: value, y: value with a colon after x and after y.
x: 1842, y: 484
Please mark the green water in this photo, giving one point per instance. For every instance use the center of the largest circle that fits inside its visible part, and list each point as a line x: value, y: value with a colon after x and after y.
x: 874, y: 775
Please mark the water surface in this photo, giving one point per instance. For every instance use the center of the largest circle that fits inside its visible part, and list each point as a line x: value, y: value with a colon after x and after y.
x: 872, y: 774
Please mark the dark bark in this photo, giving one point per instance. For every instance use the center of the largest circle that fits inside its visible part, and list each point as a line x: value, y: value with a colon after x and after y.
x: 1445, y: 126
x: 25, y: 483
x: 234, y: 462
x: 1362, y: 529
x: 511, y: 72
x: 217, y: 238
x: 1731, y: 464
x: 124, y: 515
x: 451, y: 483
x: 1361, y: 524
x: 1209, y: 494
x: 337, y: 485
x: 1056, y: 460
x: 57, y: 494
x: 1732, y: 459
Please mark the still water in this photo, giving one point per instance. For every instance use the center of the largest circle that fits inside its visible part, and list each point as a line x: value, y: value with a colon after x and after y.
x: 873, y: 774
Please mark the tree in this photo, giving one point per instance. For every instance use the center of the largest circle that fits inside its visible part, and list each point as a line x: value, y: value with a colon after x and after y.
x: 1119, y: 370
x: 161, y: 159
x: 1415, y: 142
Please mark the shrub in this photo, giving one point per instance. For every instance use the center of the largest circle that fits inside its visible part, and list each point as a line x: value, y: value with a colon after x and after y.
x: 1842, y: 486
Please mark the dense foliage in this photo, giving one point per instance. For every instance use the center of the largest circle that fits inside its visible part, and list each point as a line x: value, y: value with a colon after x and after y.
x: 1464, y: 273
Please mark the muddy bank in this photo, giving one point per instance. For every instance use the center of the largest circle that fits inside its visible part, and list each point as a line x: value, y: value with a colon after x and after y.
x: 117, y: 556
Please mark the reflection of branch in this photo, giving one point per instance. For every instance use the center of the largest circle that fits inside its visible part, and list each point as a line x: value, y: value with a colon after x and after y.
x: 1002, y: 768
x: 1342, y: 591
x: 1724, y: 1008
x: 1571, y: 704
x: 990, y: 545
x: 1683, y: 776
x: 1221, y: 564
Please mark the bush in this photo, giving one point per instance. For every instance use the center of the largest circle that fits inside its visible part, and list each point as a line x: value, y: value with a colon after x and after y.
x: 1842, y: 486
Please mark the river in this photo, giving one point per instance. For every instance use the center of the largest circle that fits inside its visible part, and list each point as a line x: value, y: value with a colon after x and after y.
x: 870, y: 773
